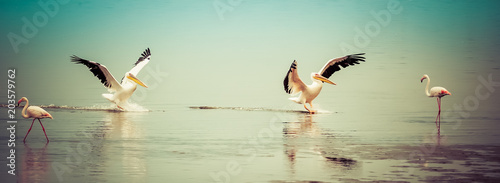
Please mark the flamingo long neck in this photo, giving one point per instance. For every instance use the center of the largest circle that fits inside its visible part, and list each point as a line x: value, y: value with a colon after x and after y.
x: 23, y: 113
x: 427, y: 87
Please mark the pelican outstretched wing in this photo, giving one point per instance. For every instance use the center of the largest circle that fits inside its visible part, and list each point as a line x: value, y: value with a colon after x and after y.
x: 292, y: 82
x: 333, y: 65
x: 141, y: 62
x: 99, y: 71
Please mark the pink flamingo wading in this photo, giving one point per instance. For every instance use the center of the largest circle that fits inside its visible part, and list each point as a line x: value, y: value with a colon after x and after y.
x: 437, y: 92
x: 34, y: 112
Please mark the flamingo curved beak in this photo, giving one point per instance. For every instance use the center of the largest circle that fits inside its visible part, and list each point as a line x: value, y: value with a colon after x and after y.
x: 49, y: 116
x: 422, y: 80
x: 19, y: 102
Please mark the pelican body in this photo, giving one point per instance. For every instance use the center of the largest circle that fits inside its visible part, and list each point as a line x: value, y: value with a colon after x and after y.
x: 119, y: 92
x: 437, y: 92
x: 293, y: 84
x: 34, y: 112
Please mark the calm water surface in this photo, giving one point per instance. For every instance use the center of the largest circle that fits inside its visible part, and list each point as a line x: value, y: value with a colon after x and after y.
x: 175, y: 143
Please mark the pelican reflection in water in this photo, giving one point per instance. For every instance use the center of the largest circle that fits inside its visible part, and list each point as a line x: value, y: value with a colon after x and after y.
x: 305, y: 138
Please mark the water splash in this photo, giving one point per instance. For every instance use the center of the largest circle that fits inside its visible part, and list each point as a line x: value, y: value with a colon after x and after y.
x: 257, y: 109
x: 133, y: 107
x: 97, y: 107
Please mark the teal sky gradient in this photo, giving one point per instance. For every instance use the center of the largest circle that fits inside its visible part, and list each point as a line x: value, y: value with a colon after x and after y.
x: 242, y: 59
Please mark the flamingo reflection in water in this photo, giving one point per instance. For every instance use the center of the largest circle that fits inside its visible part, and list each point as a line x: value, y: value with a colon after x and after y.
x: 35, y: 165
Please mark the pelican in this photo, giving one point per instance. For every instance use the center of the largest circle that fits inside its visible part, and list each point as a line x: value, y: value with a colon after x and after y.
x: 293, y: 85
x: 119, y: 92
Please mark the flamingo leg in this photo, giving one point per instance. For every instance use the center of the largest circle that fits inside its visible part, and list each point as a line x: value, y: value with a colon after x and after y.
x: 439, y: 114
x: 437, y: 120
x: 439, y: 103
x: 29, y: 130
x: 438, y: 117
x: 43, y: 130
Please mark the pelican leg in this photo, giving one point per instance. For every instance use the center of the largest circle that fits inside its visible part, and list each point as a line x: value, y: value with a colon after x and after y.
x: 28, y: 130
x: 43, y: 130
x: 310, y: 110
x: 305, y: 106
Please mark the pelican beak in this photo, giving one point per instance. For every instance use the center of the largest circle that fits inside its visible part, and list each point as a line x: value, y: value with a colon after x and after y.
x: 321, y: 78
x: 133, y: 78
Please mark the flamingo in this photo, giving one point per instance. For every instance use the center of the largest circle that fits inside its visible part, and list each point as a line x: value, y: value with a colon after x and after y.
x: 34, y: 112
x: 437, y: 92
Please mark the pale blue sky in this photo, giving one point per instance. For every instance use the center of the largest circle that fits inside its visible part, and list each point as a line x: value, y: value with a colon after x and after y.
x: 242, y: 59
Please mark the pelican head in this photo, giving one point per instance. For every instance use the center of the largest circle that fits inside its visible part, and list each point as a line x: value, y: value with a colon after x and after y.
x: 316, y: 76
x: 134, y: 79
x: 424, y: 77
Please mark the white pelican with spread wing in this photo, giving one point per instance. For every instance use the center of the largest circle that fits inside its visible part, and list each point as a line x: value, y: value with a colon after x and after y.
x: 293, y: 84
x: 119, y: 92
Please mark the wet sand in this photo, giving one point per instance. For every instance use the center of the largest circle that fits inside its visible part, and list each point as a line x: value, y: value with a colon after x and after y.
x: 429, y: 163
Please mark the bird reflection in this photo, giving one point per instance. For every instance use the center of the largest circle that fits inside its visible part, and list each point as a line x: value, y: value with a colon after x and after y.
x: 35, y: 164
x: 304, y: 137
x: 132, y: 151
x: 433, y: 138
x: 438, y: 139
x: 305, y: 127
